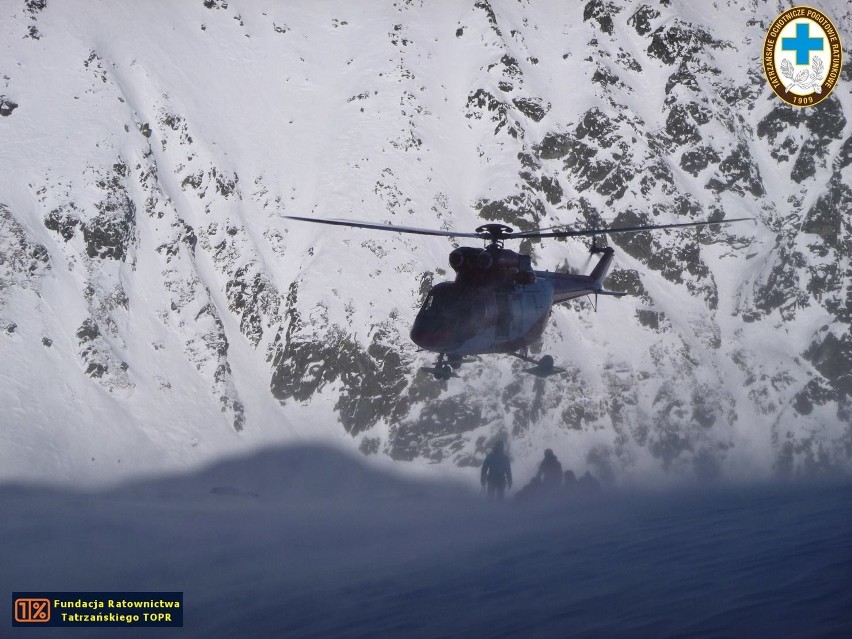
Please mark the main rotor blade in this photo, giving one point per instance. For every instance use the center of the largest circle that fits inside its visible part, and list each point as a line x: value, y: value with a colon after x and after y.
x: 537, y: 234
x: 386, y: 227
x: 618, y: 229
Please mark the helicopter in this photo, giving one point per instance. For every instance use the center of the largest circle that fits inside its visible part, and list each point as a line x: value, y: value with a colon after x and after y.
x: 497, y: 303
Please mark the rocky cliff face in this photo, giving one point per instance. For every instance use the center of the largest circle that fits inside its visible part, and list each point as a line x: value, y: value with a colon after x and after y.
x: 146, y: 273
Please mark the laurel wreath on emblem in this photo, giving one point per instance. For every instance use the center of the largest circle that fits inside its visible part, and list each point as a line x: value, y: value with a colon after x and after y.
x: 803, y: 78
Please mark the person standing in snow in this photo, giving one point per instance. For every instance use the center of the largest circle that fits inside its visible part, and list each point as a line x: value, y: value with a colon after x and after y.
x: 496, y: 475
x: 588, y: 483
x: 550, y: 471
x: 569, y: 482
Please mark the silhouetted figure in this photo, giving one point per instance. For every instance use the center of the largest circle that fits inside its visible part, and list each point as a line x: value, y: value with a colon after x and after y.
x: 569, y: 483
x: 530, y: 491
x: 550, y: 471
x: 588, y: 484
x: 496, y: 473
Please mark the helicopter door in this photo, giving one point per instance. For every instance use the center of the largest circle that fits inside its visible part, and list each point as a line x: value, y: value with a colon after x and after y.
x: 517, y: 314
x: 510, y: 313
x: 504, y: 316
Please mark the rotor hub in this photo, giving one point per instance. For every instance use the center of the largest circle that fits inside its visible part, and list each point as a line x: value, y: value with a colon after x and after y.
x: 494, y: 232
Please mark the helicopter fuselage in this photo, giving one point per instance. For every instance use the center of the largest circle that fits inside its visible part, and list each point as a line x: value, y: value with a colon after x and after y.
x: 497, y: 303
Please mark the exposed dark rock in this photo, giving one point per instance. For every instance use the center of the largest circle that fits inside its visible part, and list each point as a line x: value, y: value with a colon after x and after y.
x: 22, y: 260
x: 670, y: 443
x: 815, y: 392
x: 626, y: 282
x: 637, y: 245
x: 370, y: 445
x: 686, y: 205
x: 683, y: 77
x: 826, y: 282
x: 253, y: 299
x: 551, y: 189
x: 437, y: 433
x: 608, y: 177
x: 807, y: 456
x: 778, y: 120
x: 193, y: 180
x: 782, y: 289
x: 696, y: 160
x: 372, y: 381
x: 236, y: 408
x: 521, y: 211
x: 509, y: 68
x: 738, y: 173
x: 678, y: 40
x: 489, y: 12
x: 825, y: 218
x: 481, y: 101
x: 605, y: 77
x: 642, y: 18
x: 88, y: 331
x: 629, y: 62
x: 225, y: 185
x: 177, y: 124
x: 844, y: 156
x: 673, y: 263
x: 7, y: 106
x: 62, y: 221
x: 657, y: 172
x: 651, y: 319
x: 682, y: 123
x: 534, y: 108
x: 555, y: 146
x: 576, y: 416
x: 598, y: 127
x: 529, y: 161
x: 602, y: 13
x: 805, y: 166
x: 832, y: 357
x: 108, y: 235
x: 615, y: 184
x: 744, y: 96
x: 826, y: 120
x: 703, y: 411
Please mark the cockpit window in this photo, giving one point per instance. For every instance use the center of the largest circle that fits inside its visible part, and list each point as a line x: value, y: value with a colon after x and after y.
x: 430, y: 301
x: 441, y: 297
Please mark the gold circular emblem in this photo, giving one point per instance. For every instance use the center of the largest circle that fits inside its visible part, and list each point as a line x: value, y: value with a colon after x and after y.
x: 802, y: 56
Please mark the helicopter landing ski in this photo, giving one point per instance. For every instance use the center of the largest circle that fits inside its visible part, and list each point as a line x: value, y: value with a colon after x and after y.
x: 498, y: 304
x: 542, y: 367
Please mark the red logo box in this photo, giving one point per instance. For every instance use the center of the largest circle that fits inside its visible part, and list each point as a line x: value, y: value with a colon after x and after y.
x: 32, y: 610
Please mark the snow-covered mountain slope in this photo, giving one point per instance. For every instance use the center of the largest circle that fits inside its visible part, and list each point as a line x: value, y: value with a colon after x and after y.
x: 156, y: 309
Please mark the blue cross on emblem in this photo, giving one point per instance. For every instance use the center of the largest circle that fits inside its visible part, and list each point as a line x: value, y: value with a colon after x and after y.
x: 802, y: 44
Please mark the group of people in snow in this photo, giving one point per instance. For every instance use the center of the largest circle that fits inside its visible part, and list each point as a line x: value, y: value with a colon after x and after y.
x: 496, y: 477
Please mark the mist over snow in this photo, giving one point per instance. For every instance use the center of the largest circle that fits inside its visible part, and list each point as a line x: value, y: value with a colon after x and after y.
x: 157, y: 312
x: 305, y: 541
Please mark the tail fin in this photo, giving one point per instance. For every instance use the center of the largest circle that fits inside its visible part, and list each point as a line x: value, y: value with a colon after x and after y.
x: 601, y: 270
